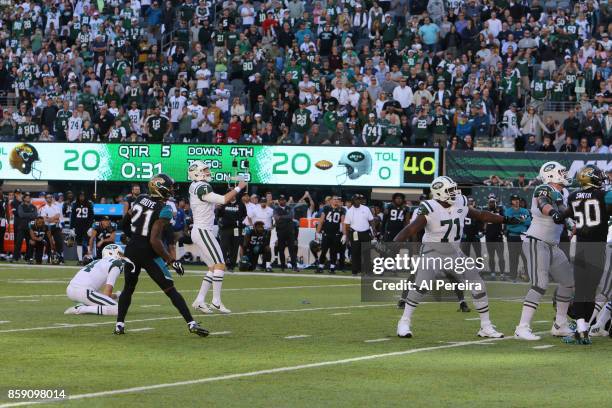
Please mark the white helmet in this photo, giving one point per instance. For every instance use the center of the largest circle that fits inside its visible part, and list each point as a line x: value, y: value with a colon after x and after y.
x: 196, y: 171
x: 553, y: 172
x: 356, y: 163
x: 112, y: 251
x: 444, y: 189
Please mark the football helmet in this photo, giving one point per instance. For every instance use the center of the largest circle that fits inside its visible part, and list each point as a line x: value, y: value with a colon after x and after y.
x: 23, y: 158
x: 112, y: 251
x: 162, y: 186
x: 198, y: 171
x: 444, y: 189
x: 54, y: 258
x: 315, y: 247
x: 354, y: 164
x: 245, y: 263
x: 591, y: 176
x: 69, y: 237
x: 553, y: 172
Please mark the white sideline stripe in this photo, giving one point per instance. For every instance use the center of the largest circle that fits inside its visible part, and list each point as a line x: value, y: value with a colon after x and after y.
x: 142, y: 329
x: 147, y: 306
x: 253, y: 373
x: 377, y: 340
x: 340, y: 314
x: 252, y: 312
x: 220, y: 333
x: 542, y: 347
x: 203, y: 271
x: 298, y: 336
x: 197, y: 290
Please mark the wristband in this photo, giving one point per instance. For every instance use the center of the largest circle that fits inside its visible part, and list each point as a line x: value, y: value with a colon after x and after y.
x: 237, y: 189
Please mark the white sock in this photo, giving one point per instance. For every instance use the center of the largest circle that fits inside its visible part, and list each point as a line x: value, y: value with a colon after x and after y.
x: 527, y: 315
x: 321, y: 266
x: 582, y: 325
x: 332, y: 266
x: 603, y: 316
x: 483, y: 312
x: 408, y: 310
x: 561, y: 317
x: 598, y: 307
x: 79, y: 252
x: 191, y: 323
x: 217, y: 284
x: 98, y: 310
x: 268, y: 264
x: 206, y: 283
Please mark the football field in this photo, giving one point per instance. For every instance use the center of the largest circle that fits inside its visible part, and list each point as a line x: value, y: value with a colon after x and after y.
x: 292, y: 341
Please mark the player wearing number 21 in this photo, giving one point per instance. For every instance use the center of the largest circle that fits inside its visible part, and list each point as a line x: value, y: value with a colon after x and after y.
x: 443, y: 219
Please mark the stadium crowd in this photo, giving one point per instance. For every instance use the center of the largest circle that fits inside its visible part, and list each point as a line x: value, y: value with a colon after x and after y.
x: 391, y: 72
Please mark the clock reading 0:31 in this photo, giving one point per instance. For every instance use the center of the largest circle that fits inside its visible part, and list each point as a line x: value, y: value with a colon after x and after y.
x: 144, y: 171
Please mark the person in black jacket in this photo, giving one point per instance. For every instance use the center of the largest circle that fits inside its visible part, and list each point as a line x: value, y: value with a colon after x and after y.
x: 285, y: 232
x: 3, y: 222
x: 230, y: 218
x: 494, y: 236
x: 26, y: 212
x: 81, y: 219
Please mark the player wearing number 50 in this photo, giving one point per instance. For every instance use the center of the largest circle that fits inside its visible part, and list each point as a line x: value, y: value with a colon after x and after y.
x: 145, y: 224
x: 443, y: 219
x: 203, y: 201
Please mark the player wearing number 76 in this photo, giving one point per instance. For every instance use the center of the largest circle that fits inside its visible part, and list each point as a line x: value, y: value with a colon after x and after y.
x: 443, y: 219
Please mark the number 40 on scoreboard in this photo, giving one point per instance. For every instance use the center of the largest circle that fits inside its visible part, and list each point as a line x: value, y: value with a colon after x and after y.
x: 420, y: 167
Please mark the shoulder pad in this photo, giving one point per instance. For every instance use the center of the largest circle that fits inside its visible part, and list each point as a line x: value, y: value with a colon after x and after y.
x: 202, y: 188
x: 543, y: 191
x: 166, y: 212
x: 424, y: 209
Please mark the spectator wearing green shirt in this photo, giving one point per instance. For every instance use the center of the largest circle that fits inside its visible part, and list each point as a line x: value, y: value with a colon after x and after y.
x: 301, y: 123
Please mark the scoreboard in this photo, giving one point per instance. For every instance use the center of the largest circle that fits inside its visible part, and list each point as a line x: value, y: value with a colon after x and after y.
x: 260, y: 164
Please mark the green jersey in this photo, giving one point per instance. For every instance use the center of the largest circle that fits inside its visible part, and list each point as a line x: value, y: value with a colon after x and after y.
x: 392, y: 134
x: 301, y: 120
x: 538, y: 89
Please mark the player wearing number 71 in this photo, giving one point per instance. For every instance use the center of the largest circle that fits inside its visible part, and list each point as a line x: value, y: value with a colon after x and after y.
x: 443, y: 219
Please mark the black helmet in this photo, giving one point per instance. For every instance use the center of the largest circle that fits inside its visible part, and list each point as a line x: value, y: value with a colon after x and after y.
x: 591, y: 176
x: 162, y: 186
x: 315, y: 247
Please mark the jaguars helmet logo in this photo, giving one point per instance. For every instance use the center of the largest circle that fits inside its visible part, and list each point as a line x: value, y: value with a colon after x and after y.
x: 591, y: 176
x: 23, y: 158
x: 162, y: 186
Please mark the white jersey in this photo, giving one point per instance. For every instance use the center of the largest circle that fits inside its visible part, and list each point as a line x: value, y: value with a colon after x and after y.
x: 97, y: 273
x: 203, y: 201
x: 542, y: 226
x: 444, y: 224
x: 74, y: 128
x: 176, y: 107
x: 135, y: 120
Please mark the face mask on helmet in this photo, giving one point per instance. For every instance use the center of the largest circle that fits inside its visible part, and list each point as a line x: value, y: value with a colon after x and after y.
x: 444, y: 189
x: 354, y: 165
x: 199, y: 171
x: 553, y: 172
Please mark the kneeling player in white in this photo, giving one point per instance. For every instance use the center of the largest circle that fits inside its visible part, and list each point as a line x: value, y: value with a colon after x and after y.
x: 443, y: 219
x: 92, y: 286
x: 203, y: 201
x: 544, y: 257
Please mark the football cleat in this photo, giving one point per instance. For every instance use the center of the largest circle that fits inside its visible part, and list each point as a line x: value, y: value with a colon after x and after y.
x: 268, y: 269
x: 524, y: 333
x: 195, y: 328
x: 463, y: 307
x: 489, y: 331
x: 319, y: 270
x: 561, y: 330
x: 119, y: 330
x: 401, y: 304
x: 332, y: 271
x: 578, y: 338
x: 202, y: 308
x: 220, y: 308
x: 295, y: 268
x: 403, y: 329
x: 73, y: 310
x: 598, y: 332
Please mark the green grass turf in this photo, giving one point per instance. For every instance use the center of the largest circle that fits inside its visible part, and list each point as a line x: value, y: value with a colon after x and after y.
x: 89, y: 359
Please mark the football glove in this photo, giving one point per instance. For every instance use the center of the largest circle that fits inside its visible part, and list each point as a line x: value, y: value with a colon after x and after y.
x: 557, y: 217
x: 178, y: 267
x: 512, y: 220
x: 343, y: 240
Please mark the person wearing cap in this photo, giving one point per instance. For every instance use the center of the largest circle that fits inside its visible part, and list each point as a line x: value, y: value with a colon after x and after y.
x: 371, y: 134
x: 358, y: 224
x: 102, y: 235
x: 260, y: 212
x: 230, y: 220
x: 514, y: 234
x: 52, y: 216
x: 285, y: 233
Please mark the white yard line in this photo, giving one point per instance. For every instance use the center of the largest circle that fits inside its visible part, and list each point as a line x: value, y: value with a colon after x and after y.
x: 252, y: 312
x: 542, y: 321
x: 142, y: 329
x: 196, y: 290
x: 28, y: 300
x: 472, y: 318
x: 340, y: 314
x: 542, y: 347
x: 4, y: 321
x: 221, y: 333
x: 148, y: 306
x: 298, y: 336
x: 254, y: 373
x: 377, y: 340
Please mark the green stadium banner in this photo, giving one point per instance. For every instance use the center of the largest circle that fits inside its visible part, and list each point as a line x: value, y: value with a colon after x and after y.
x: 475, y: 166
x: 259, y: 164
